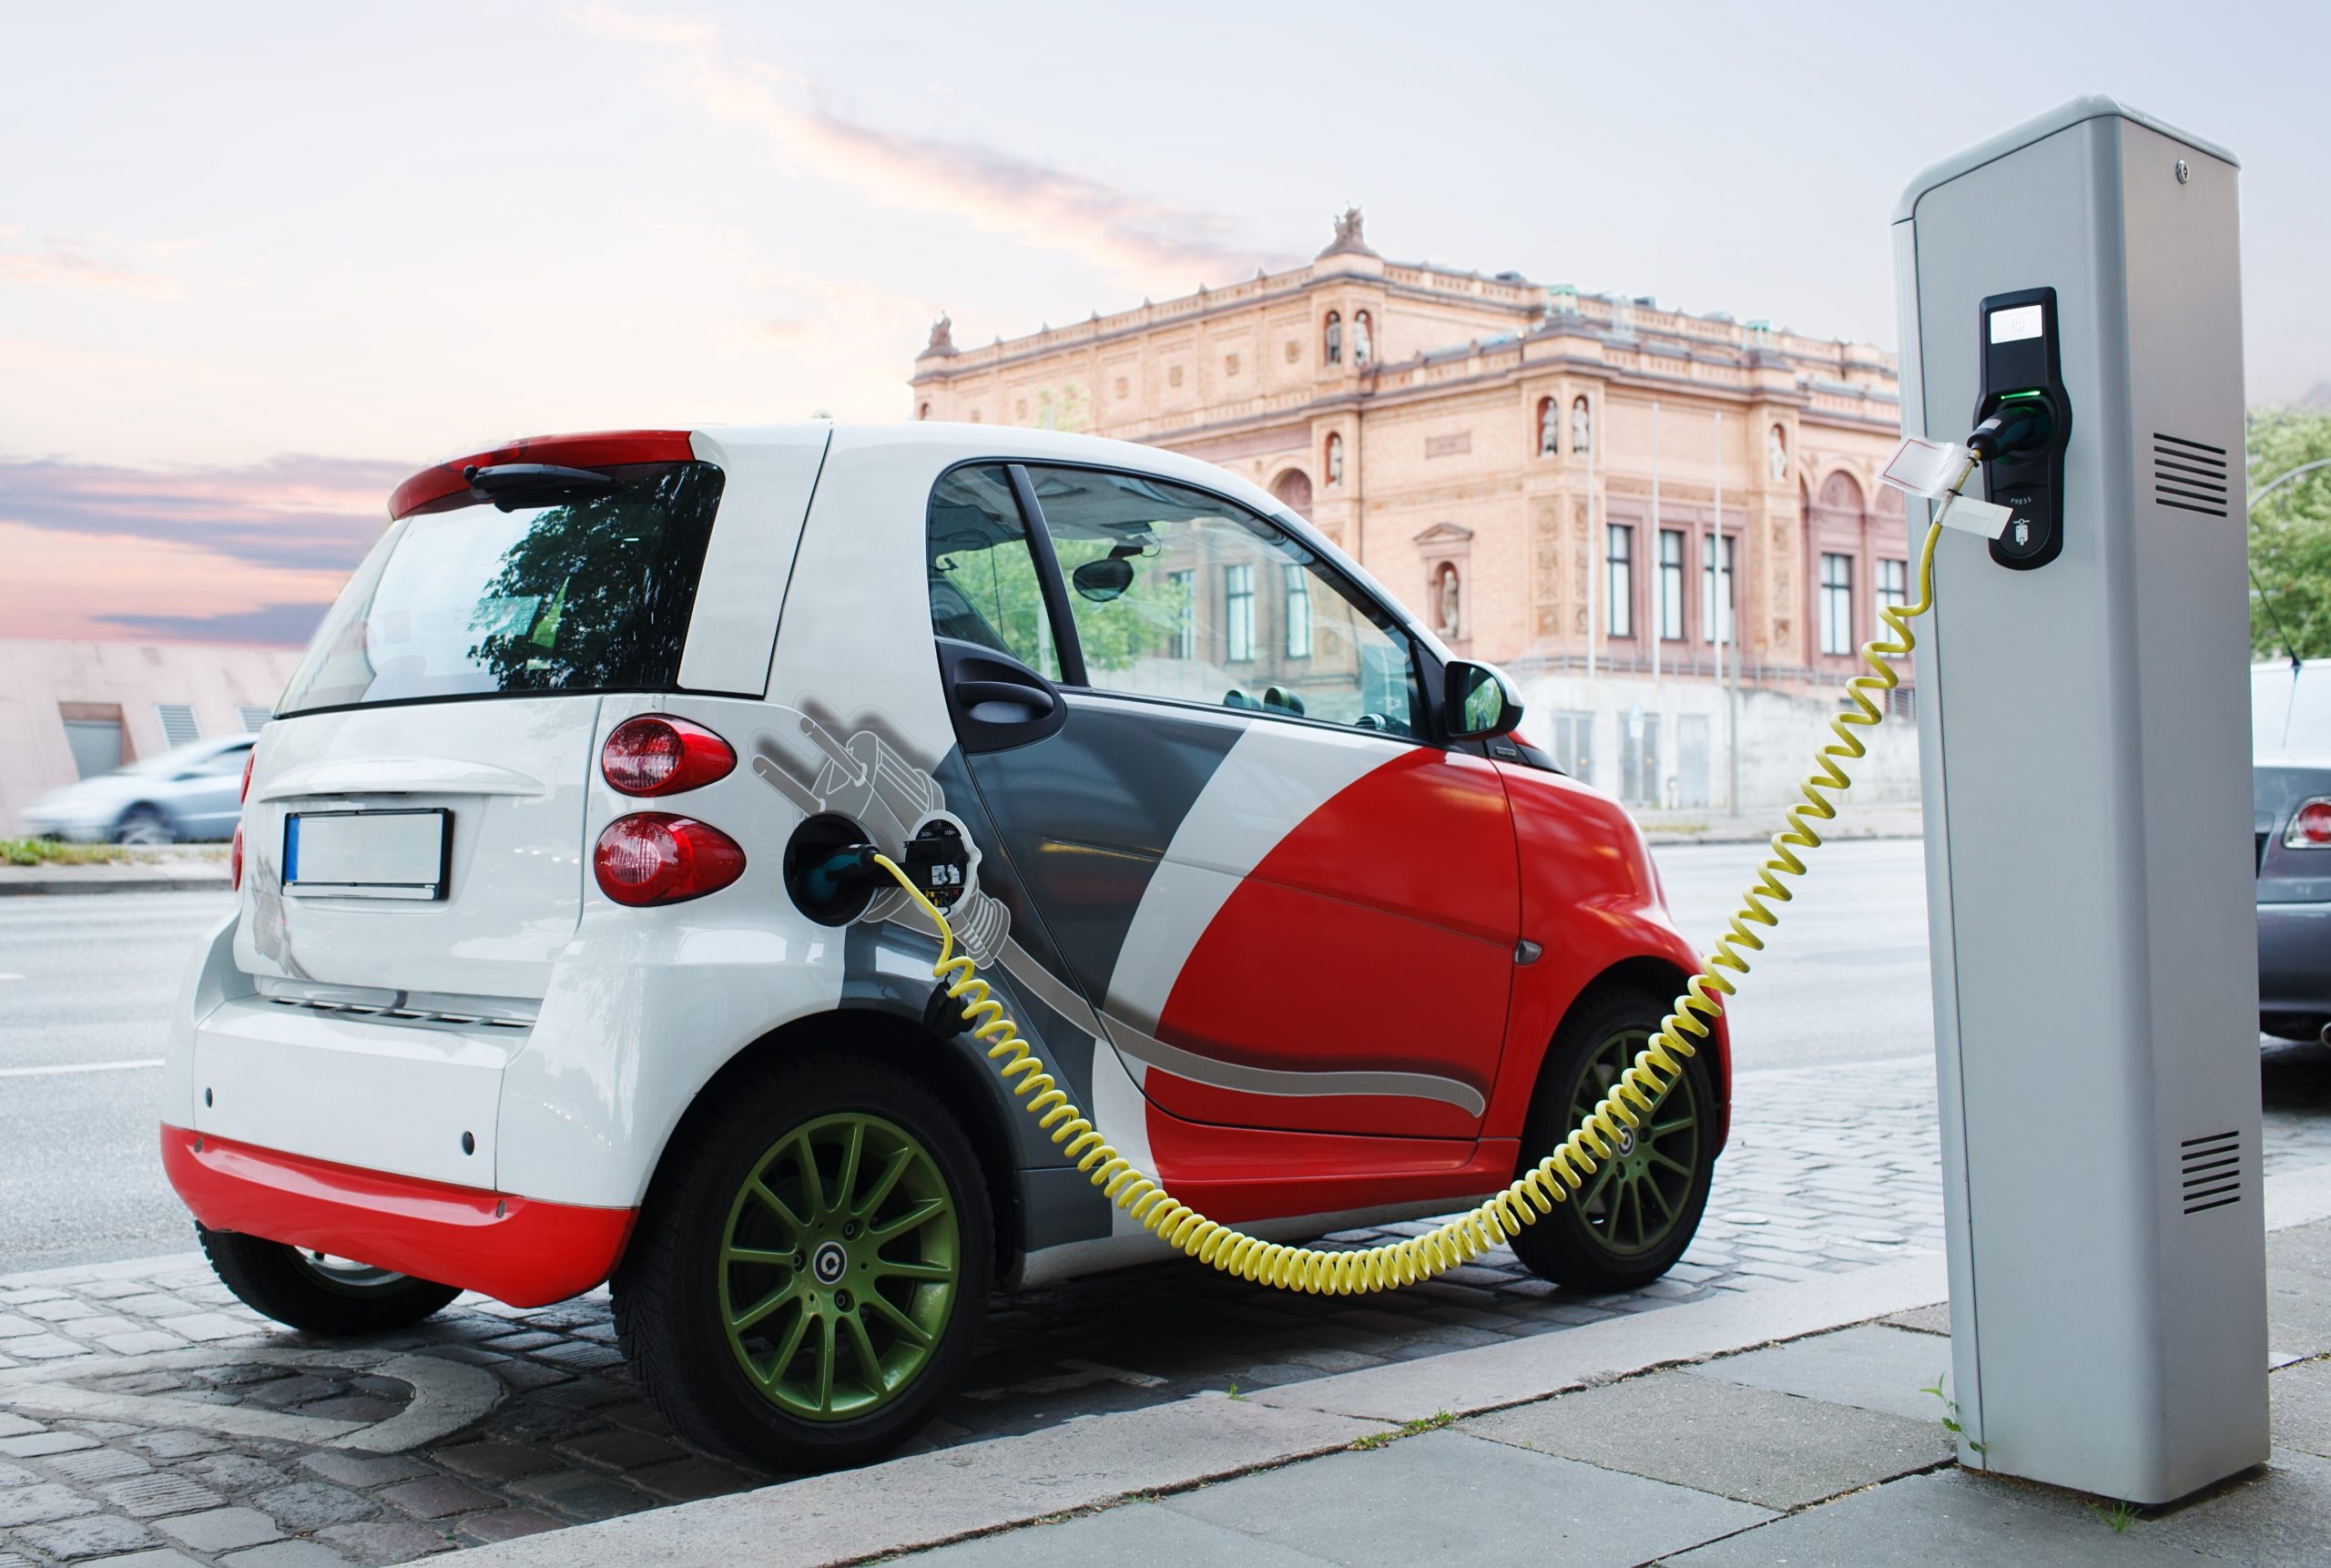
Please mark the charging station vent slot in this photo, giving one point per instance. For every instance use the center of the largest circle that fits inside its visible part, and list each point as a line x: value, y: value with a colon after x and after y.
x: 2211, y: 1169
x: 2190, y: 475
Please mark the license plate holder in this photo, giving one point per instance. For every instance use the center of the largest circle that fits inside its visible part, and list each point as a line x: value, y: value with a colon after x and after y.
x: 398, y: 854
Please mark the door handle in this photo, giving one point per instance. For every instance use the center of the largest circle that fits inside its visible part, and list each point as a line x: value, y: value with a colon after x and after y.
x: 971, y: 693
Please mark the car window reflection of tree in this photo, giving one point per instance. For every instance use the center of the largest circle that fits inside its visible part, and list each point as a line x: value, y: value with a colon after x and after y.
x: 611, y: 578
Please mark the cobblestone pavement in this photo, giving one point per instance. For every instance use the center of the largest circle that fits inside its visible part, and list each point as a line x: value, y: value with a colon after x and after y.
x: 1812, y: 1184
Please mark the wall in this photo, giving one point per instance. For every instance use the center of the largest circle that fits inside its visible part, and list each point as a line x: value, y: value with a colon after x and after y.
x: 36, y: 677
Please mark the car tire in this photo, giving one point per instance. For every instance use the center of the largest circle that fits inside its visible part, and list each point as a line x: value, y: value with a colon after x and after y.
x: 301, y: 1290
x: 1637, y: 1214
x: 144, y: 825
x: 768, y: 1314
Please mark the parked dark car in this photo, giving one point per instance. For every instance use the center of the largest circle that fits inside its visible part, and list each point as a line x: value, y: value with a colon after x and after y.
x: 2290, y: 717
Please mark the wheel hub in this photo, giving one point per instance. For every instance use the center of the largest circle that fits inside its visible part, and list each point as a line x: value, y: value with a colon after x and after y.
x: 829, y: 1263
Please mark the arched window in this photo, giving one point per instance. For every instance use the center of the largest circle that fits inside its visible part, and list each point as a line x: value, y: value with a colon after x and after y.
x: 1840, y: 493
x: 1363, y: 339
x: 1294, y: 489
x: 1335, y: 339
x: 923, y: 413
x: 1582, y: 428
x: 1549, y: 427
x: 1335, y: 463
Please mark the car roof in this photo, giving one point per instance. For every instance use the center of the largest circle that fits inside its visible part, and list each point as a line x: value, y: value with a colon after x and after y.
x: 944, y: 443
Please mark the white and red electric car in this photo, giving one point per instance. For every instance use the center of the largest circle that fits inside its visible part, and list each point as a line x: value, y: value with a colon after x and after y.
x: 542, y: 972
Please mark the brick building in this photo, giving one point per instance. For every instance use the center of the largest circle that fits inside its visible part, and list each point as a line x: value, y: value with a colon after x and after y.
x: 1536, y: 472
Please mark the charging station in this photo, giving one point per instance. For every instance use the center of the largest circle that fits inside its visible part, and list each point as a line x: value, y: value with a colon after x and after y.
x: 2085, y: 741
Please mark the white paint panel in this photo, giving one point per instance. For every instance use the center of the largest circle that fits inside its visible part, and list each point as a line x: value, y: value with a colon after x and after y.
x: 351, y: 1090
x: 768, y: 475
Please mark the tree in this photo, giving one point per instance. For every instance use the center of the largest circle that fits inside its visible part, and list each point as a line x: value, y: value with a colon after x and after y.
x: 2290, y: 532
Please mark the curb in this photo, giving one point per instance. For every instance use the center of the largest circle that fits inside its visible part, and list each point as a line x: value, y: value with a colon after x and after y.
x: 51, y: 883
x: 950, y: 1494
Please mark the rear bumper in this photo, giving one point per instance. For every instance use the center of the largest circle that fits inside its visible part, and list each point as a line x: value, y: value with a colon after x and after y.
x: 520, y: 1250
x: 2294, y: 958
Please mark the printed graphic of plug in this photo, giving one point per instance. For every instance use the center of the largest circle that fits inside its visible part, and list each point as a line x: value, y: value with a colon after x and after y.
x: 872, y: 782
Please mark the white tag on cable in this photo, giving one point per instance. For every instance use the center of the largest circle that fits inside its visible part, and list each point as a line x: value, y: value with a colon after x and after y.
x: 1927, y: 468
x: 1965, y: 513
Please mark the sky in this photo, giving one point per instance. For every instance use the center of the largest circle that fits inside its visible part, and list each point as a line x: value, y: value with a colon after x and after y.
x: 260, y: 261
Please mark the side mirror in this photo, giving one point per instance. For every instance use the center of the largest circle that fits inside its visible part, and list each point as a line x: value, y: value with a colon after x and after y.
x: 1479, y: 701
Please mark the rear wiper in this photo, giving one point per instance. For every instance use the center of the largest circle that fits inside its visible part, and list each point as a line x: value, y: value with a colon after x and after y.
x: 513, y: 485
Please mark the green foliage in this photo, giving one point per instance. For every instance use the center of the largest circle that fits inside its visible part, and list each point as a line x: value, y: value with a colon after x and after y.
x: 2290, y: 532
x: 1951, y: 1415
x: 54, y: 852
x: 1408, y: 1429
x: 1001, y: 584
x: 2120, y: 1516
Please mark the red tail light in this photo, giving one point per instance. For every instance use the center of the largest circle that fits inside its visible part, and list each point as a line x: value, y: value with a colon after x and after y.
x: 656, y: 858
x: 250, y: 761
x: 655, y: 755
x: 2310, y: 826
x: 235, y: 858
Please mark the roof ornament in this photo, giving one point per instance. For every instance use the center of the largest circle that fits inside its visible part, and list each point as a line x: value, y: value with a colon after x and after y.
x: 943, y: 336
x: 1349, y: 241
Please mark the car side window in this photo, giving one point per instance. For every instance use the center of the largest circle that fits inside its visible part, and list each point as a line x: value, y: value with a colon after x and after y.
x: 983, y: 583
x: 1178, y: 594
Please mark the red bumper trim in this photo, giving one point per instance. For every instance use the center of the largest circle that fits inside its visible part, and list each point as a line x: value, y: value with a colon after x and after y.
x: 521, y: 1250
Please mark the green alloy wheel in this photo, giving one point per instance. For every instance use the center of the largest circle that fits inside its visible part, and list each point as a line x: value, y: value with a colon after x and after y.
x: 1639, y: 1210
x: 812, y: 1264
x: 839, y: 1272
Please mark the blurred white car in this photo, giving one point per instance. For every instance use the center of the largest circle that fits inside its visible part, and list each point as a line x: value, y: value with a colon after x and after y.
x: 189, y: 792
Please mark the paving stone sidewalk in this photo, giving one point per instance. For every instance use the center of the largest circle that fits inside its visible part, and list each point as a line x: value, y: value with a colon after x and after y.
x: 1825, y: 1451
x: 1831, y: 1170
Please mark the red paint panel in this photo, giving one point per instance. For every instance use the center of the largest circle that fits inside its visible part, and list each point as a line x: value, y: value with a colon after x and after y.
x: 1591, y: 898
x: 601, y: 449
x: 529, y: 1255
x: 1376, y: 936
x: 1252, y: 1174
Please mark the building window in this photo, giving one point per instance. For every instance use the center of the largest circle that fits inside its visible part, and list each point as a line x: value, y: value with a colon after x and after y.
x: 1671, y: 584
x: 254, y: 719
x: 923, y: 413
x: 1182, y: 592
x: 1335, y: 458
x: 1298, y: 613
x: 1333, y: 339
x: 1639, y: 768
x: 1716, y: 599
x: 1173, y: 376
x: 1363, y: 339
x: 1294, y: 490
x: 179, y: 727
x: 1893, y: 584
x: 1549, y: 427
x: 1229, y: 365
x: 1619, y: 568
x: 1238, y: 613
x: 1574, y: 744
x: 1837, y: 604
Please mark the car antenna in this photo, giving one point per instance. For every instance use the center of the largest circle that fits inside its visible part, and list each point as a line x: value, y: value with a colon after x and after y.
x: 2289, y: 652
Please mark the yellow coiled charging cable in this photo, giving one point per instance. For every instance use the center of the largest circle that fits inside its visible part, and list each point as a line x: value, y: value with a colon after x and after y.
x: 1535, y: 1191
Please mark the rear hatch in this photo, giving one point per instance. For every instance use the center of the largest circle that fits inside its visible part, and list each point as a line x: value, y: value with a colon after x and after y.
x: 415, y: 832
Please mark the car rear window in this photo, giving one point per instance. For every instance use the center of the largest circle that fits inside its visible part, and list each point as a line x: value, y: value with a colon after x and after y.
x: 471, y: 597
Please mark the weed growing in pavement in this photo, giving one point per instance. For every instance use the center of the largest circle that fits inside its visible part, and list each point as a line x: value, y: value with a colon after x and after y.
x: 1234, y: 1390
x: 2120, y: 1516
x: 1951, y: 1416
x: 1431, y: 1423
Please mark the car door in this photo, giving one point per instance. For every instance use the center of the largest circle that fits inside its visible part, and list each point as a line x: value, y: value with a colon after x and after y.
x: 1290, y: 907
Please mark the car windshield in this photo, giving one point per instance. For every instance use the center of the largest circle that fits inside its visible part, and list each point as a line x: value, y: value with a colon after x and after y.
x: 469, y: 600
x: 2290, y: 712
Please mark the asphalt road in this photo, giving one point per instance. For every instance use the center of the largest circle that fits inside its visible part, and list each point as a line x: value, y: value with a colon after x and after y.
x: 91, y: 980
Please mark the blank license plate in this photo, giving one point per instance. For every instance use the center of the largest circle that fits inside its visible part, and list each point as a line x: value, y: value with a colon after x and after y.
x: 367, y: 854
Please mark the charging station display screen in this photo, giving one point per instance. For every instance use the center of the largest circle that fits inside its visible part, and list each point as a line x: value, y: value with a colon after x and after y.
x: 2015, y: 325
